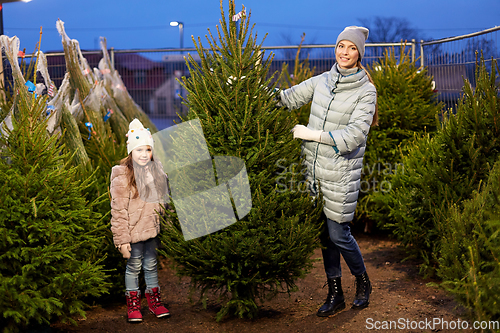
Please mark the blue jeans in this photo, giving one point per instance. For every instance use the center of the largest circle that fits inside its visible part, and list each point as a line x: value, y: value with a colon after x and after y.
x: 341, y: 242
x: 143, y: 255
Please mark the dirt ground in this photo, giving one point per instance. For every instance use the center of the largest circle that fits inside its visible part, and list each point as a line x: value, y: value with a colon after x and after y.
x: 400, y: 298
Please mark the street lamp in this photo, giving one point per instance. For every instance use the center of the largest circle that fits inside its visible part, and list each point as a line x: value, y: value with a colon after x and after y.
x: 181, y: 30
x: 1, y: 12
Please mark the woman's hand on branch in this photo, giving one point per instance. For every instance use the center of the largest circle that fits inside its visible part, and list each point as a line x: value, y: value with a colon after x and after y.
x: 302, y: 132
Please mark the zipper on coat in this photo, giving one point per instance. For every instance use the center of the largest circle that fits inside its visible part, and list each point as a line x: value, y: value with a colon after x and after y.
x: 323, y: 128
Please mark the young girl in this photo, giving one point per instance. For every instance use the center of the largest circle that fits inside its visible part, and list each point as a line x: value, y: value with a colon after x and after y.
x: 343, y: 109
x: 138, y: 186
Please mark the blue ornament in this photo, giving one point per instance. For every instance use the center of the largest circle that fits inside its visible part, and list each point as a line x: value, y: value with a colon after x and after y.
x: 89, y: 126
x: 31, y: 86
x: 50, y: 108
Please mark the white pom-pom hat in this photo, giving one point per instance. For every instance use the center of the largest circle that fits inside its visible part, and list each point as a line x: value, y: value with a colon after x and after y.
x: 138, y: 136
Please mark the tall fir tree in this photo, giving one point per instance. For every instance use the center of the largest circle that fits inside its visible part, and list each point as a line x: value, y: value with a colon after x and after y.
x: 445, y: 169
x: 470, y: 250
x: 301, y: 72
x: 408, y: 109
x: 270, y: 248
x: 49, y: 248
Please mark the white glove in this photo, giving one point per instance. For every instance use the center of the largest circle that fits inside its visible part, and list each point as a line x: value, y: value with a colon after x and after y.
x: 302, y: 132
x: 277, y: 99
x: 125, y: 250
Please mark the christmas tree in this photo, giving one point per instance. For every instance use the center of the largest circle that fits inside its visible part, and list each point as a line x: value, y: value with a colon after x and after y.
x: 470, y: 251
x: 446, y: 169
x: 270, y: 248
x: 50, y: 257
x: 301, y: 72
x: 408, y: 109
x: 88, y: 114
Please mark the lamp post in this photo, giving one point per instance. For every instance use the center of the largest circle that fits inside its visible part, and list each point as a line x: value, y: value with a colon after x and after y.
x: 181, y: 31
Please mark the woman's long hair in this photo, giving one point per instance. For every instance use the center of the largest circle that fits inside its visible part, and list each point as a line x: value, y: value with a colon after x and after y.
x: 159, y: 179
x: 375, y: 115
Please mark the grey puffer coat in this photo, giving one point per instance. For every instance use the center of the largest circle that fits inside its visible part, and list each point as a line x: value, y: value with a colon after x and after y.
x: 343, y: 105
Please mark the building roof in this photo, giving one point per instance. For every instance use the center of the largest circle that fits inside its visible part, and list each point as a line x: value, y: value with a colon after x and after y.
x: 134, y: 61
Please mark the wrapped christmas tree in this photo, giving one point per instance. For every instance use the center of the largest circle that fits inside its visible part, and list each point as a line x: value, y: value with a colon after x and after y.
x: 267, y: 250
x: 81, y: 81
x: 116, y: 88
x: 11, y: 48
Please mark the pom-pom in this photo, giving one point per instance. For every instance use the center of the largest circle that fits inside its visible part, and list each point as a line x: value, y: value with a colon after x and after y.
x: 135, y: 124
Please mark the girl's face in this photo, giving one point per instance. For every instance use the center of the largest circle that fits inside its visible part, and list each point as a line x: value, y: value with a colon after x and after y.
x: 346, y: 54
x: 142, y: 155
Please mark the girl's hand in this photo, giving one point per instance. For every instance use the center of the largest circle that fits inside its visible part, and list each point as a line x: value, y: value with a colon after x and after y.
x: 125, y: 250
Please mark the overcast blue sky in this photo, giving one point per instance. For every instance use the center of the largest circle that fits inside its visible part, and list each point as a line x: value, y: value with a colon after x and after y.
x: 145, y: 24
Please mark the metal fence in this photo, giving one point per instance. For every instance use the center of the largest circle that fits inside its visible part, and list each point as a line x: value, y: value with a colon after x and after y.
x: 451, y: 60
x: 150, y: 75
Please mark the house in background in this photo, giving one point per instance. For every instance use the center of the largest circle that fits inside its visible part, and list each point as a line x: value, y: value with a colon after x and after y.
x: 166, y: 99
x: 141, y: 76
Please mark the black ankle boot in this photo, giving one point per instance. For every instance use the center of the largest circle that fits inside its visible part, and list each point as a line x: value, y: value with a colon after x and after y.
x: 335, y: 299
x: 363, y: 290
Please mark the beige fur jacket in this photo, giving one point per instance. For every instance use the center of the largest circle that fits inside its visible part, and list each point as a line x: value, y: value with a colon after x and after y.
x: 132, y: 219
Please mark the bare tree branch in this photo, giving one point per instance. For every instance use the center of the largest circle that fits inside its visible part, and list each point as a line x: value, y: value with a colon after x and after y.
x: 390, y: 29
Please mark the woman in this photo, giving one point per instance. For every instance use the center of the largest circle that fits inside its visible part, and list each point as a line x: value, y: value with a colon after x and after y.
x: 342, y: 111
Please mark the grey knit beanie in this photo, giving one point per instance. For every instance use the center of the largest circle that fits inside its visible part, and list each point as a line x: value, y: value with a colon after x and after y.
x: 356, y: 35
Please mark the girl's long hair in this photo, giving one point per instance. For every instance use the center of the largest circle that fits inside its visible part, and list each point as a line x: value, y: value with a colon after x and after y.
x: 159, y: 179
x: 375, y: 115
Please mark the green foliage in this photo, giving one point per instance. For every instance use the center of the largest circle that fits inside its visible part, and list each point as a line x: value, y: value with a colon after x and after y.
x: 270, y: 248
x: 301, y: 72
x: 92, y: 156
x: 407, y: 109
x: 445, y: 170
x: 50, y: 258
x: 104, y: 153
x: 470, y: 251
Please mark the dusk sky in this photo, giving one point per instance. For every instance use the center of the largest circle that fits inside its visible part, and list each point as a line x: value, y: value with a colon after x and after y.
x: 145, y: 24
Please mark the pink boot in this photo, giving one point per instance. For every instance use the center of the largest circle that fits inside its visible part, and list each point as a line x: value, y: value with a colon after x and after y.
x: 154, y: 303
x: 134, y: 306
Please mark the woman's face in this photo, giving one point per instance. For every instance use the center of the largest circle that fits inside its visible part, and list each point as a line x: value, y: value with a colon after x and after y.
x: 142, y: 155
x: 346, y: 54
